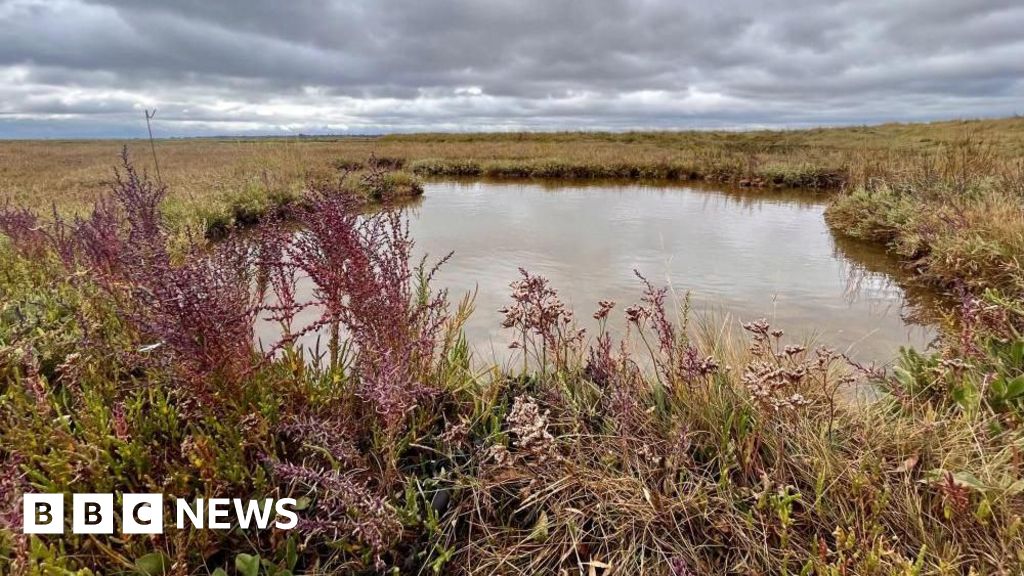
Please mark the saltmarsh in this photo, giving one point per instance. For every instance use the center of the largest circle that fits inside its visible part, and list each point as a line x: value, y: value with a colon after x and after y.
x: 128, y: 365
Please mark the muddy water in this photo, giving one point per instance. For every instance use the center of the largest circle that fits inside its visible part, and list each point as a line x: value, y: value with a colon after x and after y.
x: 740, y: 255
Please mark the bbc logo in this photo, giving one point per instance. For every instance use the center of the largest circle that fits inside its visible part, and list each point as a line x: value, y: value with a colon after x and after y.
x: 144, y: 513
x: 93, y: 513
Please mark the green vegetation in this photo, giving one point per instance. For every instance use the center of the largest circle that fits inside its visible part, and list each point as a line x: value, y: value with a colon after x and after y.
x: 956, y: 217
x: 127, y: 364
x: 762, y: 176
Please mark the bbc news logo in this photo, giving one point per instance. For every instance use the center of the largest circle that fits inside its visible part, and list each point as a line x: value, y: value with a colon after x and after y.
x: 144, y: 513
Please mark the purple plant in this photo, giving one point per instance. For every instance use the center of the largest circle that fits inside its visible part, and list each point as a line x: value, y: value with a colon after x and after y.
x: 343, y: 508
x: 618, y: 376
x: 140, y: 199
x: 24, y: 229
x: 317, y: 434
x: 13, y: 486
x: 32, y: 237
x: 678, y: 566
x: 676, y: 359
x: 984, y: 317
x: 203, y: 310
x: 200, y: 311
x: 365, y: 285
x: 99, y: 239
x: 602, y: 367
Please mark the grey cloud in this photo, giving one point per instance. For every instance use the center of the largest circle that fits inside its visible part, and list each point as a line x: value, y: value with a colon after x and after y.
x: 78, y: 67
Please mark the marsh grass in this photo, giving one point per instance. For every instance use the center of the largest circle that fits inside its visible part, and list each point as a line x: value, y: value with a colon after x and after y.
x: 956, y: 217
x: 36, y: 173
x: 944, y: 196
x: 686, y: 450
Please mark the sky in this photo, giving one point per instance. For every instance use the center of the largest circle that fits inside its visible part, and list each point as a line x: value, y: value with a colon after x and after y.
x: 79, y: 68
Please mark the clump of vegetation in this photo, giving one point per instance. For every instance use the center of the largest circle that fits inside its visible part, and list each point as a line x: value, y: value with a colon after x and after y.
x: 388, y: 186
x: 249, y: 206
x: 428, y: 167
x: 128, y: 365
x: 803, y: 176
x: 955, y: 217
x: 145, y: 354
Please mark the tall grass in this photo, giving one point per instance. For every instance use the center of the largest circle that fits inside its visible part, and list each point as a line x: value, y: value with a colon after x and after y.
x: 956, y: 216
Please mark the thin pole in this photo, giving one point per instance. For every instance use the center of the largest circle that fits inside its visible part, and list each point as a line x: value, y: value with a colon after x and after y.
x: 152, y: 146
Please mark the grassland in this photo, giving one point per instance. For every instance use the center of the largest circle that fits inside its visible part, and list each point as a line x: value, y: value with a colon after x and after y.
x: 75, y: 172
x: 898, y: 173
x: 127, y: 364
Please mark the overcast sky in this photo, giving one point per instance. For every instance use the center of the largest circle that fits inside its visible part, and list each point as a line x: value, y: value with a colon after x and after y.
x: 75, y: 68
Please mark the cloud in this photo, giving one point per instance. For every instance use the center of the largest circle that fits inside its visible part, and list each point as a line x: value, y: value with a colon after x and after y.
x: 87, y: 68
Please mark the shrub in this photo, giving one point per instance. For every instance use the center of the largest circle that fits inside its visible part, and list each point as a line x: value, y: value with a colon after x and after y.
x: 366, y: 287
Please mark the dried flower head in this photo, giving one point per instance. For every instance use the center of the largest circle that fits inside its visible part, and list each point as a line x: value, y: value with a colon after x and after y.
x: 542, y: 324
x: 604, y: 307
x: 530, y: 426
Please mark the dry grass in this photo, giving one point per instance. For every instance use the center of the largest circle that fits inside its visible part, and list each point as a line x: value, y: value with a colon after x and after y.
x: 73, y: 173
x: 955, y: 215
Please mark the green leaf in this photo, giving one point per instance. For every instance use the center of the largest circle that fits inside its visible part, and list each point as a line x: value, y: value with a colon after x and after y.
x: 966, y: 395
x: 969, y: 480
x: 247, y: 564
x: 219, y: 572
x: 1014, y: 388
x: 291, y: 555
x: 1017, y: 353
x: 153, y: 564
x: 984, y: 511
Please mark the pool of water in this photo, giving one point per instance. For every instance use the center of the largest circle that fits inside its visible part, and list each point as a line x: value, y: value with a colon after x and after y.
x: 741, y: 255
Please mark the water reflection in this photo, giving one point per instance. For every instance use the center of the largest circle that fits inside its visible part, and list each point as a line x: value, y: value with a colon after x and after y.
x: 874, y: 275
x: 748, y: 254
